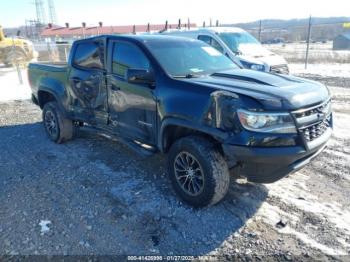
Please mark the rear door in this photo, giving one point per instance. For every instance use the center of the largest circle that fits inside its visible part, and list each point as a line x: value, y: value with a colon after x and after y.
x: 87, y: 82
x: 132, y: 107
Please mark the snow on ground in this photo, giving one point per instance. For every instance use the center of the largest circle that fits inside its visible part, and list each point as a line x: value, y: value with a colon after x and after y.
x: 10, y: 88
x: 333, y: 70
x: 285, y: 190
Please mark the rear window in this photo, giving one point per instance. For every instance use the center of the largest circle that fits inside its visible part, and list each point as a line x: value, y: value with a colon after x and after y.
x: 89, y: 55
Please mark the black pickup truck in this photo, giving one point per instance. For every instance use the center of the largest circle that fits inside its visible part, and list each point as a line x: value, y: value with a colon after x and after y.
x: 182, y: 97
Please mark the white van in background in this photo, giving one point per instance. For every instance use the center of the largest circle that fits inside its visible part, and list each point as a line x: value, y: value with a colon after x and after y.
x: 240, y: 46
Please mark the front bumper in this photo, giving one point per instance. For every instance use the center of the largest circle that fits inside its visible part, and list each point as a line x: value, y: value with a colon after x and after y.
x: 269, y: 164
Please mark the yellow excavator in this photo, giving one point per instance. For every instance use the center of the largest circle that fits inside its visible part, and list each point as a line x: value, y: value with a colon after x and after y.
x: 15, y: 50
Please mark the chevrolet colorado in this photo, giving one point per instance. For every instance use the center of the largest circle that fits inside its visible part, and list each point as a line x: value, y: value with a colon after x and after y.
x: 182, y: 97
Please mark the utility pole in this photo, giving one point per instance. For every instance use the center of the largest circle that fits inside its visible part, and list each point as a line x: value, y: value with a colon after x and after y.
x: 83, y: 29
x: 15, y: 60
x: 99, y: 27
x: 260, y: 31
x: 308, y: 43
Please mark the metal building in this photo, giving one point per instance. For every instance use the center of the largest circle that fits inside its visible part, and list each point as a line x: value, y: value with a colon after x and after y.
x: 342, y: 42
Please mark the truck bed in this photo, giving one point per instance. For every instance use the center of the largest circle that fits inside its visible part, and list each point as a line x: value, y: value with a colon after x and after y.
x: 49, y: 66
x: 41, y: 74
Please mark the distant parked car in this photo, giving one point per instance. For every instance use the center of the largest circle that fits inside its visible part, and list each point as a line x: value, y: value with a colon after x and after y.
x: 240, y: 46
x: 274, y: 41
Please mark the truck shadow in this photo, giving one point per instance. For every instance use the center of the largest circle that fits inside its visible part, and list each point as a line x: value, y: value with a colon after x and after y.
x: 131, y: 194
x: 155, y: 215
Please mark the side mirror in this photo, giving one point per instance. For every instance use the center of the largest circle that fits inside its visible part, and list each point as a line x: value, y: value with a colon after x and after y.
x: 140, y: 76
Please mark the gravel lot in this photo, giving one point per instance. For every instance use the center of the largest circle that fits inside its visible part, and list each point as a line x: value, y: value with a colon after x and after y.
x: 94, y: 196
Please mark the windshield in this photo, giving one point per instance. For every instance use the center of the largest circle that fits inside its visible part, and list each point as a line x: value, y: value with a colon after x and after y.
x: 234, y: 40
x: 189, y: 58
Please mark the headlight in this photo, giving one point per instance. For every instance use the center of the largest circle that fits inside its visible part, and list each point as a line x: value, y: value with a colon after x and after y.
x: 258, y: 67
x: 266, y: 122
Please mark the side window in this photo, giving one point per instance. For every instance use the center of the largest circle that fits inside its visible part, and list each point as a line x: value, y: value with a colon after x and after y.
x: 89, y: 55
x: 211, y: 41
x: 205, y: 38
x: 127, y: 55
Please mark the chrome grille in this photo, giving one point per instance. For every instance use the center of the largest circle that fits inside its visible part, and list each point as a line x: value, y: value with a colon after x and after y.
x: 279, y: 69
x: 314, y: 131
x: 324, y: 108
x: 313, y: 122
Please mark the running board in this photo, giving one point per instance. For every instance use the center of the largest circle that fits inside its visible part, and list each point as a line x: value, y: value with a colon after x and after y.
x: 143, y: 150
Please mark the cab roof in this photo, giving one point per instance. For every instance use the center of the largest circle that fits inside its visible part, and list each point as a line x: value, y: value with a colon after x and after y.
x: 142, y: 38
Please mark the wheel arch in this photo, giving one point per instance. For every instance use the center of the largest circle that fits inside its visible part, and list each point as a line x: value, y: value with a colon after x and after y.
x: 46, y: 95
x: 172, y: 129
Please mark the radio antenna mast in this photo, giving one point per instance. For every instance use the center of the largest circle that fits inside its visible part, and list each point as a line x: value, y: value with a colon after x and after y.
x: 40, y: 12
x: 52, y: 12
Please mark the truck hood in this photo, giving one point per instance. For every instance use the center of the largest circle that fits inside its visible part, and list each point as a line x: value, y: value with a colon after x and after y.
x: 273, y: 91
x: 254, y: 50
x: 259, y: 54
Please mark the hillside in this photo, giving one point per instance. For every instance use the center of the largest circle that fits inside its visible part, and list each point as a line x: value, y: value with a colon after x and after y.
x: 323, y: 29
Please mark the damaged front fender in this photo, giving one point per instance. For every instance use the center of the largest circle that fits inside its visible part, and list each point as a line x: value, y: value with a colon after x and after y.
x: 222, y: 113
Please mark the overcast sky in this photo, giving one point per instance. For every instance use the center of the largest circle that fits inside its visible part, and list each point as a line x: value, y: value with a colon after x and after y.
x: 127, y: 12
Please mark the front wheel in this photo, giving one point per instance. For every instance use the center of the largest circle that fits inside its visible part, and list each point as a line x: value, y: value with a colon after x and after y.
x: 198, y: 172
x: 58, y: 128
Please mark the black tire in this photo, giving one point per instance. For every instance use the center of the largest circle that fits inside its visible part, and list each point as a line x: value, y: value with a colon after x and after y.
x: 211, y: 166
x: 58, y: 128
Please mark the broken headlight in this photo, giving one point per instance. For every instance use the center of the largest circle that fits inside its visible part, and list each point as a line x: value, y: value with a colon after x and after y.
x: 266, y: 122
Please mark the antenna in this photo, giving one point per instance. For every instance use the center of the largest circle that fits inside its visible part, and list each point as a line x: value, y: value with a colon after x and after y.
x: 40, y: 12
x: 52, y: 12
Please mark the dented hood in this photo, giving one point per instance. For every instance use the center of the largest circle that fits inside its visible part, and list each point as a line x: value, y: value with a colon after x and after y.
x: 274, y: 91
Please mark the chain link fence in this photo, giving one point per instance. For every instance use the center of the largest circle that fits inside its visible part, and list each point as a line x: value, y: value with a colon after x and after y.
x: 304, y: 42
x: 318, y: 52
x: 52, y: 52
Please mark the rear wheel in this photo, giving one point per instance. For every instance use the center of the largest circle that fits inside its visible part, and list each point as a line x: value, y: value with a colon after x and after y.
x: 58, y: 128
x: 198, y: 172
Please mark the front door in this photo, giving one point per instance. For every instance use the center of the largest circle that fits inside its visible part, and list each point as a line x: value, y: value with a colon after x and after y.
x: 132, y: 107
